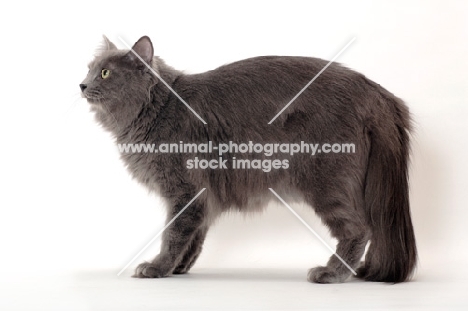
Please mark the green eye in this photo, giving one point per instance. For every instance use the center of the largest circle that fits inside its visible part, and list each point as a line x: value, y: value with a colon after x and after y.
x: 105, y: 73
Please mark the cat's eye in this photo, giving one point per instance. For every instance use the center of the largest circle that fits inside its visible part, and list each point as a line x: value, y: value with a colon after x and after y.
x: 105, y: 73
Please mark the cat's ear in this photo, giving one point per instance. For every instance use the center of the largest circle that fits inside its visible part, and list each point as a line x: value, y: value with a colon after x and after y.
x: 107, y: 44
x: 144, y: 48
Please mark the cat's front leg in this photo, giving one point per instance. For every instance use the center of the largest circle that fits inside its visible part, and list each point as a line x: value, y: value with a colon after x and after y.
x: 193, y: 251
x: 176, y: 239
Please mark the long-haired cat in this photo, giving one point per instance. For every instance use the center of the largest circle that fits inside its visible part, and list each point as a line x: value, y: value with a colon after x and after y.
x: 360, y: 196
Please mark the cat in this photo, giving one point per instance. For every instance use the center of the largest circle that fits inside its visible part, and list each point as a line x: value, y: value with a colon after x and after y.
x: 361, y: 197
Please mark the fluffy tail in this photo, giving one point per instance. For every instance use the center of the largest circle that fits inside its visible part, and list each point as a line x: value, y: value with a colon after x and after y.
x: 391, y: 256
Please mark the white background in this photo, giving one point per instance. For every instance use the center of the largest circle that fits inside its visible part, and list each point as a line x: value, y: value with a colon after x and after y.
x: 71, y: 217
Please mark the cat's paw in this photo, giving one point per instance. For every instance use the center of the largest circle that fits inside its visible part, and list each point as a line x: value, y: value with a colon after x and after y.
x: 324, y: 275
x: 180, y: 270
x: 361, y: 272
x: 149, y: 270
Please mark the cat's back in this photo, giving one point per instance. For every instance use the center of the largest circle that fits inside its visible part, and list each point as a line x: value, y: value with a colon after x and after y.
x: 271, y: 64
x: 262, y: 69
x: 253, y: 87
x: 279, y: 77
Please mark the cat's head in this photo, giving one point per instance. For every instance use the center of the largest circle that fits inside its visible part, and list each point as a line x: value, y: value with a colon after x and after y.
x: 118, y: 81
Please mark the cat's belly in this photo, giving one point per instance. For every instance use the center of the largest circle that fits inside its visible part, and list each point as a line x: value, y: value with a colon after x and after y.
x: 255, y: 201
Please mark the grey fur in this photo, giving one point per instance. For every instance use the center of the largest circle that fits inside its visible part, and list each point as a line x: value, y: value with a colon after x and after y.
x: 360, y: 197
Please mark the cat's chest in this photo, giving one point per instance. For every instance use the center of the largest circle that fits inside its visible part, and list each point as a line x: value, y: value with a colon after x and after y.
x: 144, y: 166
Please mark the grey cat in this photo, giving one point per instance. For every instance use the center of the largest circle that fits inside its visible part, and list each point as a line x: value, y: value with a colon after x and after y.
x: 360, y: 196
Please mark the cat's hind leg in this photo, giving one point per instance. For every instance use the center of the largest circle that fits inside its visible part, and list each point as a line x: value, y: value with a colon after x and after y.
x: 346, y: 223
x: 350, y: 251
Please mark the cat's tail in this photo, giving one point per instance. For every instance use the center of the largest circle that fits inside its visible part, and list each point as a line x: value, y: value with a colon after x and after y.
x: 391, y: 256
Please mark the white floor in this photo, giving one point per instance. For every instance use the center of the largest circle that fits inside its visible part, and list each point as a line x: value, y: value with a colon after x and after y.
x: 230, y: 289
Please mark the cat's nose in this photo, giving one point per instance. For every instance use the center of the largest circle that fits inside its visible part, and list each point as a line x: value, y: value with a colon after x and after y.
x: 83, y: 87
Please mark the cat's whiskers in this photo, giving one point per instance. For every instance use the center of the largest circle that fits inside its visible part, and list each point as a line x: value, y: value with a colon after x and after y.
x: 77, y: 97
